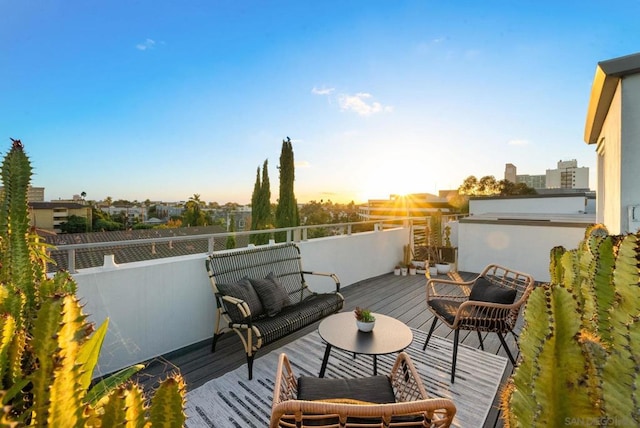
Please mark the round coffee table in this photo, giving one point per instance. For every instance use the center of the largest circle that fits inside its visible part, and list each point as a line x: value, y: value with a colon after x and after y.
x: 388, y: 336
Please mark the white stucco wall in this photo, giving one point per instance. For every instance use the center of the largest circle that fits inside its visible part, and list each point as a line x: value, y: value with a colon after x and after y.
x: 523, y: 247
x: 158, y: 306
x: 570, y: 204
x: 630, y: 155
x: 609, y: 173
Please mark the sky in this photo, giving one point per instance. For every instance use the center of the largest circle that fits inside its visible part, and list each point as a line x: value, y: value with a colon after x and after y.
x: 163, y: 100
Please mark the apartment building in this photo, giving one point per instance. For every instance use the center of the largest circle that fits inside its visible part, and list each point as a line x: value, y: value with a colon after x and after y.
x: 413, y: 205
x: 568, y: 176
x: 50, y: 215
x: 34, y: 194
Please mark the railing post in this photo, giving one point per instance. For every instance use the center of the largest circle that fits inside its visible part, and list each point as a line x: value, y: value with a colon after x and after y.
x: 211, y: 244
x: 71, y: 261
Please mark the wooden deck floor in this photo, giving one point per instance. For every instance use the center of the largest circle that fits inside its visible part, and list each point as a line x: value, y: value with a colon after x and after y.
x: 402, y: 297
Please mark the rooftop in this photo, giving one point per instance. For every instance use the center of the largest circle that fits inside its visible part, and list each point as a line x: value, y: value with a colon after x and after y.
x: 402, y: 297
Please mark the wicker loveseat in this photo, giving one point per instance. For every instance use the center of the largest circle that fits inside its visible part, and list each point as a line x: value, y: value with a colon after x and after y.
x: 396, y: 400
x: 261, y: 294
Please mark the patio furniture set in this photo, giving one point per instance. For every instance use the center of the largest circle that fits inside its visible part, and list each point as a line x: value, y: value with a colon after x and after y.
x: 261, y: 294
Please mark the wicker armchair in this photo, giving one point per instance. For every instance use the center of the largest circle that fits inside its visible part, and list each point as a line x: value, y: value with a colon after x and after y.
x: 327, y: 406
x: 490, y: 302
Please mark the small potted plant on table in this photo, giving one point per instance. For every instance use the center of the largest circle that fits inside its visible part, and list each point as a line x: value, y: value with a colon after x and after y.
x: 364, y: 319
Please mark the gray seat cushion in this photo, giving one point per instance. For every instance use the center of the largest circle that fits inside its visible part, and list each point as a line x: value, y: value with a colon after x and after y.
x: 374, y: 389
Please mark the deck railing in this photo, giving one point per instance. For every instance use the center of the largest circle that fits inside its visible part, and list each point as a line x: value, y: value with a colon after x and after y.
x: 216, y: 241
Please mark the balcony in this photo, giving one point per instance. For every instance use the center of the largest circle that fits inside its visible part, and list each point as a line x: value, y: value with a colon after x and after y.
x: 161, y: 311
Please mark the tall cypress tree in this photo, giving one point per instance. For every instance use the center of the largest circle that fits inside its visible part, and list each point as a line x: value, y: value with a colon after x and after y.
x: 255, y: 207
x: 261, y: 206
x: 287, y: 210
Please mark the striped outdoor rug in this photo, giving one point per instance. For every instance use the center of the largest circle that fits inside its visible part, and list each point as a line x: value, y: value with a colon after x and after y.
x: 234, y: 401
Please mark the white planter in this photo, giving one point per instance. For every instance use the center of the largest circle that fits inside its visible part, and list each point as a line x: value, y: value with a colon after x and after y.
x: 396, y: 271
x: 418, y: 264
x: 421, y: 271
x: 403, y: 271
x: 443, y: 268
x: 433, y: 271
x: 365, y: 326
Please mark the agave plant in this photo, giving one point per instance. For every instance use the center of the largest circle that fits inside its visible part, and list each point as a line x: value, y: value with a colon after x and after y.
x: 580, y: 345
x: 48, y: 349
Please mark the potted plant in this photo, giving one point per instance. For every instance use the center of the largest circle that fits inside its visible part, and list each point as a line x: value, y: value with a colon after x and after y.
x: 364, y: 319
x: 396, y: 270
x: 443, y: 267
x: 403, y: 269
x: 412, y: 269
x: 433, y: 270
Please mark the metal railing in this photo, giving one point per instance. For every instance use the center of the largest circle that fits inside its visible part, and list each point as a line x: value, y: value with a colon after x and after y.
x: 295, y: 234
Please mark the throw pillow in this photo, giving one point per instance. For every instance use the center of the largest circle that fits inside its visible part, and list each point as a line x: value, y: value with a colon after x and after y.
x: 485, y: 291
x: 242, y: 290
x: 272, y: 294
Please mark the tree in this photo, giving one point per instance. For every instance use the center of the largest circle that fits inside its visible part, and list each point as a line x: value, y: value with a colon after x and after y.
x: 255, y: 204
x: 510, y: 188
x: 261, y: 206
x: 287, y: 210
x: 74, y: 224
x: 488, y: 186
x: 103, y: 225
x: 108, y: 201
x: 193, y: 214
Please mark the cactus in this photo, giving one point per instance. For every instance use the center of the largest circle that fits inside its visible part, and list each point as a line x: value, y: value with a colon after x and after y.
x: 48, y: 349
x: 580, y: 345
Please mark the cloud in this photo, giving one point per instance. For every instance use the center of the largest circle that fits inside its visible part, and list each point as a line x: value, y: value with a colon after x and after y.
x: 518, y: 142
x: 147, y: 44
x: 302, y: 164
x: 322, y: 91
x: 361, y: 103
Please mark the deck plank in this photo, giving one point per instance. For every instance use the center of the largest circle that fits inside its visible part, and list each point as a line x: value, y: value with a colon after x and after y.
x: 402, y: 297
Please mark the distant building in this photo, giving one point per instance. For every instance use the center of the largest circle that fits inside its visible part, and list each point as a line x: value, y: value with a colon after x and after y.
x: 50, y: 215
x: 413, y: 205
x: 568, y: 176
x: 534, y: 181
x: 134, y: 214
x: 34, y: 194
x: 510, y: 172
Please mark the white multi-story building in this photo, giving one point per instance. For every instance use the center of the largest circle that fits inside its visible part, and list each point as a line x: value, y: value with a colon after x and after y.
x: 568, y: 176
